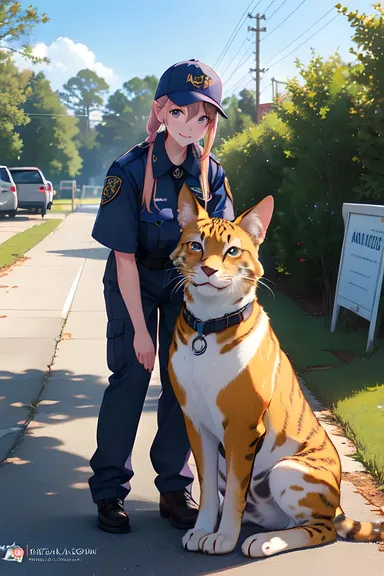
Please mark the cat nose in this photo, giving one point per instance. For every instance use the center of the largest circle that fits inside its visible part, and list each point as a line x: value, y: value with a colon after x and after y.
x: 208, y: 271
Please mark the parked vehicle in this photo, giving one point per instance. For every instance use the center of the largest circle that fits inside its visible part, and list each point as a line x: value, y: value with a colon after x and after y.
x: 50, y: 195
x: 32, y: 188
x: 8, y: 193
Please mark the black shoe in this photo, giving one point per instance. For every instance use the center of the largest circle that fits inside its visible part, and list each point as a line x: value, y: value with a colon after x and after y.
x: 112, y: 516
x: 180, y: 508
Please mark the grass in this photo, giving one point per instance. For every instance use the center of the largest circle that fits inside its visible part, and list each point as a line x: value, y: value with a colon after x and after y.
x: 354, y: 391
x: 12, y: 249
x: 65, y: 204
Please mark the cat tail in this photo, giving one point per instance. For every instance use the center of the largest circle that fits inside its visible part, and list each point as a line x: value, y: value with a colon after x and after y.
x: 359, y: 531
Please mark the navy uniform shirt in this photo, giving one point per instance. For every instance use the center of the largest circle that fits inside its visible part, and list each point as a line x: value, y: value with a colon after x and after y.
x: 122, y: 224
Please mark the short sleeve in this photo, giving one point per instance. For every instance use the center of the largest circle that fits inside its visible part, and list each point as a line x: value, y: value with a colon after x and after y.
x: 222, y: 201
x: 117, y: 221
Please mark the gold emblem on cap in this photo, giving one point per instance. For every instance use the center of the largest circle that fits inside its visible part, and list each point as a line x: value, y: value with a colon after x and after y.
x: 202, y: 81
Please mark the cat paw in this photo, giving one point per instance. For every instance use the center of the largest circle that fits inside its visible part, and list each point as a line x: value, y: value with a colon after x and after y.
x: 261, y: 545
x: 192, y: 538
x: 217, y: 543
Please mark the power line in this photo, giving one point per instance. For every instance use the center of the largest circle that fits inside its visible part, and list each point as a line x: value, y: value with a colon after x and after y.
x: 245, y: 57
x: 238, y: 83
x: 269, y: 5
x: 302, y: 34
x: 233, y: 35
x: 230, y: 64
x: 305, y: 41
x: 242, y: 60
x: 266, y: 88
x: 54, y: 115
x: 281, y: 23
x: 277, y: 9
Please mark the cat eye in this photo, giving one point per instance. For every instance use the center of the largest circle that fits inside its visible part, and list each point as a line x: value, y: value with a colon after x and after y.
x: 195, y: 246
x: 234, y: 251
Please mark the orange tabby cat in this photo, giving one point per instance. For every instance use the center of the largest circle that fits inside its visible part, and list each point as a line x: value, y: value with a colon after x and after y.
x: 241, y: 399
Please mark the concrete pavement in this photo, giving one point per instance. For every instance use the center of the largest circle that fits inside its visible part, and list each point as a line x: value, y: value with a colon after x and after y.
x: 46, y: 501
x: 23, y: 221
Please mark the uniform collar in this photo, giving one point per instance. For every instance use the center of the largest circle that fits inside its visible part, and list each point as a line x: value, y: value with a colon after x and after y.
x: 161, y: 162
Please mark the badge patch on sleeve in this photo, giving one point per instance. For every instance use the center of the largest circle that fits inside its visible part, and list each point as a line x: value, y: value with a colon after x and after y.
x: 112, y: 185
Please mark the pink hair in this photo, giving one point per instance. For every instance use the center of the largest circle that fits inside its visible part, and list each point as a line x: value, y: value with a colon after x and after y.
x: 153, y: 125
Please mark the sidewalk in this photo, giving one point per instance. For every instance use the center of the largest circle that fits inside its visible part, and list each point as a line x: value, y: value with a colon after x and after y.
x: 47, y: 501
x: 32, y: 310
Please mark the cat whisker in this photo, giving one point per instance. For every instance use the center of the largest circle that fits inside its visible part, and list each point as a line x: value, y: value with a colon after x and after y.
x: 266, y: 286
x: 182, y: 282
x: 270, y: 281
x: 178, y: 277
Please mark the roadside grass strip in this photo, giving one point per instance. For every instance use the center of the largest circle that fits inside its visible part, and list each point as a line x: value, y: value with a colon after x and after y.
x: 65, y: 204
x: 353, y: 387
x: 15, y: 248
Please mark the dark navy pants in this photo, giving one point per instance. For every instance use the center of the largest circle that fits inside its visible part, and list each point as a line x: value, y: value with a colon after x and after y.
x: 123, y: 399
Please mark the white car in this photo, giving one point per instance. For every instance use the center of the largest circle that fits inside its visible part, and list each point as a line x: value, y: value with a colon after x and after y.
x: 50, y: 194
x: 32, y: 188
x: 8, y: 193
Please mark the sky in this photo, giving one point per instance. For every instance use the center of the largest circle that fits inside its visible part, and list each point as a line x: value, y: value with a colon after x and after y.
x: 120, y: 39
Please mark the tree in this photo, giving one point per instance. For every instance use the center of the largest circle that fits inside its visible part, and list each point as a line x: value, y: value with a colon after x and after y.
x: 236, y: 122
x: 125, y: 118
x: 13, y: 94
x: 14, y: 23
x: 368, y: 109
x: 50, y: 137
x: 309, y: 224
x: 83, y: 94
x: 303, y: 153
x: 247, y: 103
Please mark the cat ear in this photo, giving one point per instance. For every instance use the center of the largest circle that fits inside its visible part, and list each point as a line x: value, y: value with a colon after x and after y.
x: 189, y: 208
x: 255, y: 221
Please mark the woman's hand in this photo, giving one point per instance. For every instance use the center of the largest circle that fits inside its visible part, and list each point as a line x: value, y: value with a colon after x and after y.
x: 144, y: 349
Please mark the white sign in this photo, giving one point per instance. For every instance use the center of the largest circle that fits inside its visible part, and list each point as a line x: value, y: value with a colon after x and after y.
x: 361, y: 265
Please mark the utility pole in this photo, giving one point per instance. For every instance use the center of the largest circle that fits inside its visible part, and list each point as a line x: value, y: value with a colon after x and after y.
x: 275, y: 90
x: 257, y: 70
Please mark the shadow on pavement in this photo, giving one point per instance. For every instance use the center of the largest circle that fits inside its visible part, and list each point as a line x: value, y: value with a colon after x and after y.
x: 18, y: 218
x: 92, y: 253
x: 67, y: 396
x: 46, y: 501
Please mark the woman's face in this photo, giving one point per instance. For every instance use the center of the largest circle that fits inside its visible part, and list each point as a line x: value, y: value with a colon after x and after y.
x: 186, y: 131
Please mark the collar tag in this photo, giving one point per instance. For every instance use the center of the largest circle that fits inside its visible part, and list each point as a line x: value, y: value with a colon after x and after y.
x: 199, y: 328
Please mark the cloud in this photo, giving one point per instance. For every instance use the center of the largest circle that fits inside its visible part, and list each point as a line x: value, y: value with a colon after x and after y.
x: 66, y: 59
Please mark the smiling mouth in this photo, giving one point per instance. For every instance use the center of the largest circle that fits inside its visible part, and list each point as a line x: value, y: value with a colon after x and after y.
x: 209, y: 284
x: 184, y: 136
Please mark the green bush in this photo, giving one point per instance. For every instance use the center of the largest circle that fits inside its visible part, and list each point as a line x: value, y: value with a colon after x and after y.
x: 319, y: 148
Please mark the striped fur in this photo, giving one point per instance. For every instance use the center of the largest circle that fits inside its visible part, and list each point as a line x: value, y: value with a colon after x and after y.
x: 253, y: 435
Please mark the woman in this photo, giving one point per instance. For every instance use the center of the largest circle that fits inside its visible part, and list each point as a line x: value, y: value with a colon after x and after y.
x: 137, y: 220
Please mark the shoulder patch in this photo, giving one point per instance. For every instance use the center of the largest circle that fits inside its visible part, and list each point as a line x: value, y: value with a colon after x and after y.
x: 112, y: 185
x: 228, y: 188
